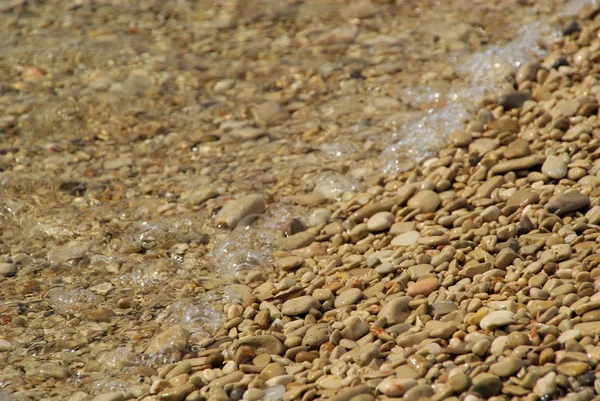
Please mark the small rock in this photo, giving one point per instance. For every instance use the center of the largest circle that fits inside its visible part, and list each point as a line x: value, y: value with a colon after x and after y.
x: 300, y: 305
x: 406, y: 239
x: 487, y: 385
x: 396, y: 387
x: 513, y: 100
x: 380, y: 221
x: 396, y: 310
x: 497, y: 319
x: 482, y: 146
x: 114, y: 396
x: 460, y: 138
x: 573, y: 369
x: 506, y: 367
x: 459, y: 382
x: 423, y: 287
x: 235, y: 210
x: 270, y: 113
x: 546, y: 386
x: 567, y: 203
x: 426, y: 200
x: 175, y: 338
x: 348, y: 297
x: 555, y: 167
x: 261, y: 344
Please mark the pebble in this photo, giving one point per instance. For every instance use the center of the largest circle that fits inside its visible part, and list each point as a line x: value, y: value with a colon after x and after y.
x: 460, y: 138
x: 488, y: 385
x: 5, y: 345
x: 380, y: 221
x: 406, y: 239
x: 482, y: 146
x: 546, y: 386
x: 175, y: 338
x: 235, y: 210
x: 427, y: 201
x: 348, y: 297
x: 459, y: 382
x: 567, y: 203
x: 573, y: 369
x: 555, y: 167
x: 497, y: 319
x: 523, y: 198
x: 396, y: 387
x: 348, y: 394
x: 300, y: 305
x: 259, y: 344
x: 114, y: 396
x: 423, y: 287
x: 396, y: 310
x: 506, y: 367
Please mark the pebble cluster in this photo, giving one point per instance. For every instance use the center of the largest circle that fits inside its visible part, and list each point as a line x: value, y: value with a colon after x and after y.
x: 472, y: 275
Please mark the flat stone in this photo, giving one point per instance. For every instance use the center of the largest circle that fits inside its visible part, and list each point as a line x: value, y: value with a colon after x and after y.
x: 235, y: 210
x: 405, y: 226
x: 460, y: 138
x: 406, y: 239
x: 418, y: 392
x: 289, y: 263
x: 348, y: 297
x: 497, y: 319
x: 481, y: 146
x: 177, y: 393
x: 349, y: 393
x: 487, y: 385
x: 506, y: 367
x: 5, y: 345
x: 175, y: 338
x: 396, y: 387
x: 546, y: 386
x: 504, y: 258
x: 513, y: 100
x: 459, y: 382
x: 593, y: 327
x: 573, y: 369
x: 567, y: 203
x: 520, y: 163
x: 517, y: 148
x: 396, y: 310
x: 426, y: 200
x: 555, y: 167
x: 300, y: 305
x: 423, y: 287
x: 261, y: 344
x: 380, y: 221
x: 522, y: 199
x: 317, y: 335
x: 114, y: 396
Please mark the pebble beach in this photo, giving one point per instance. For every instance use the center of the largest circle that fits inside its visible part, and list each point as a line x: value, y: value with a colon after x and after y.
x: 345, y: 200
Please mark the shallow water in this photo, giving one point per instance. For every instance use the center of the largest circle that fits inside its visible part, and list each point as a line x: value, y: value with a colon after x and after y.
x: 114, y: 114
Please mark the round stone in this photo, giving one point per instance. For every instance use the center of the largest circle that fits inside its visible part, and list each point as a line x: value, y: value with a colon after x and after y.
x: 348, y: 297
x: 506, y: 367
x: 423, y: 287
x: 497, y: 319
x: 427, y: 200
x: 555, y: 167
x: 300, y: 305
x: 406, y: 239
x: 380, y: 221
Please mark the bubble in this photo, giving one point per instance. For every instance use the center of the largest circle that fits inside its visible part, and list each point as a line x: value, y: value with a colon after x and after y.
x: 73, y: 301
x: 333, y: 186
